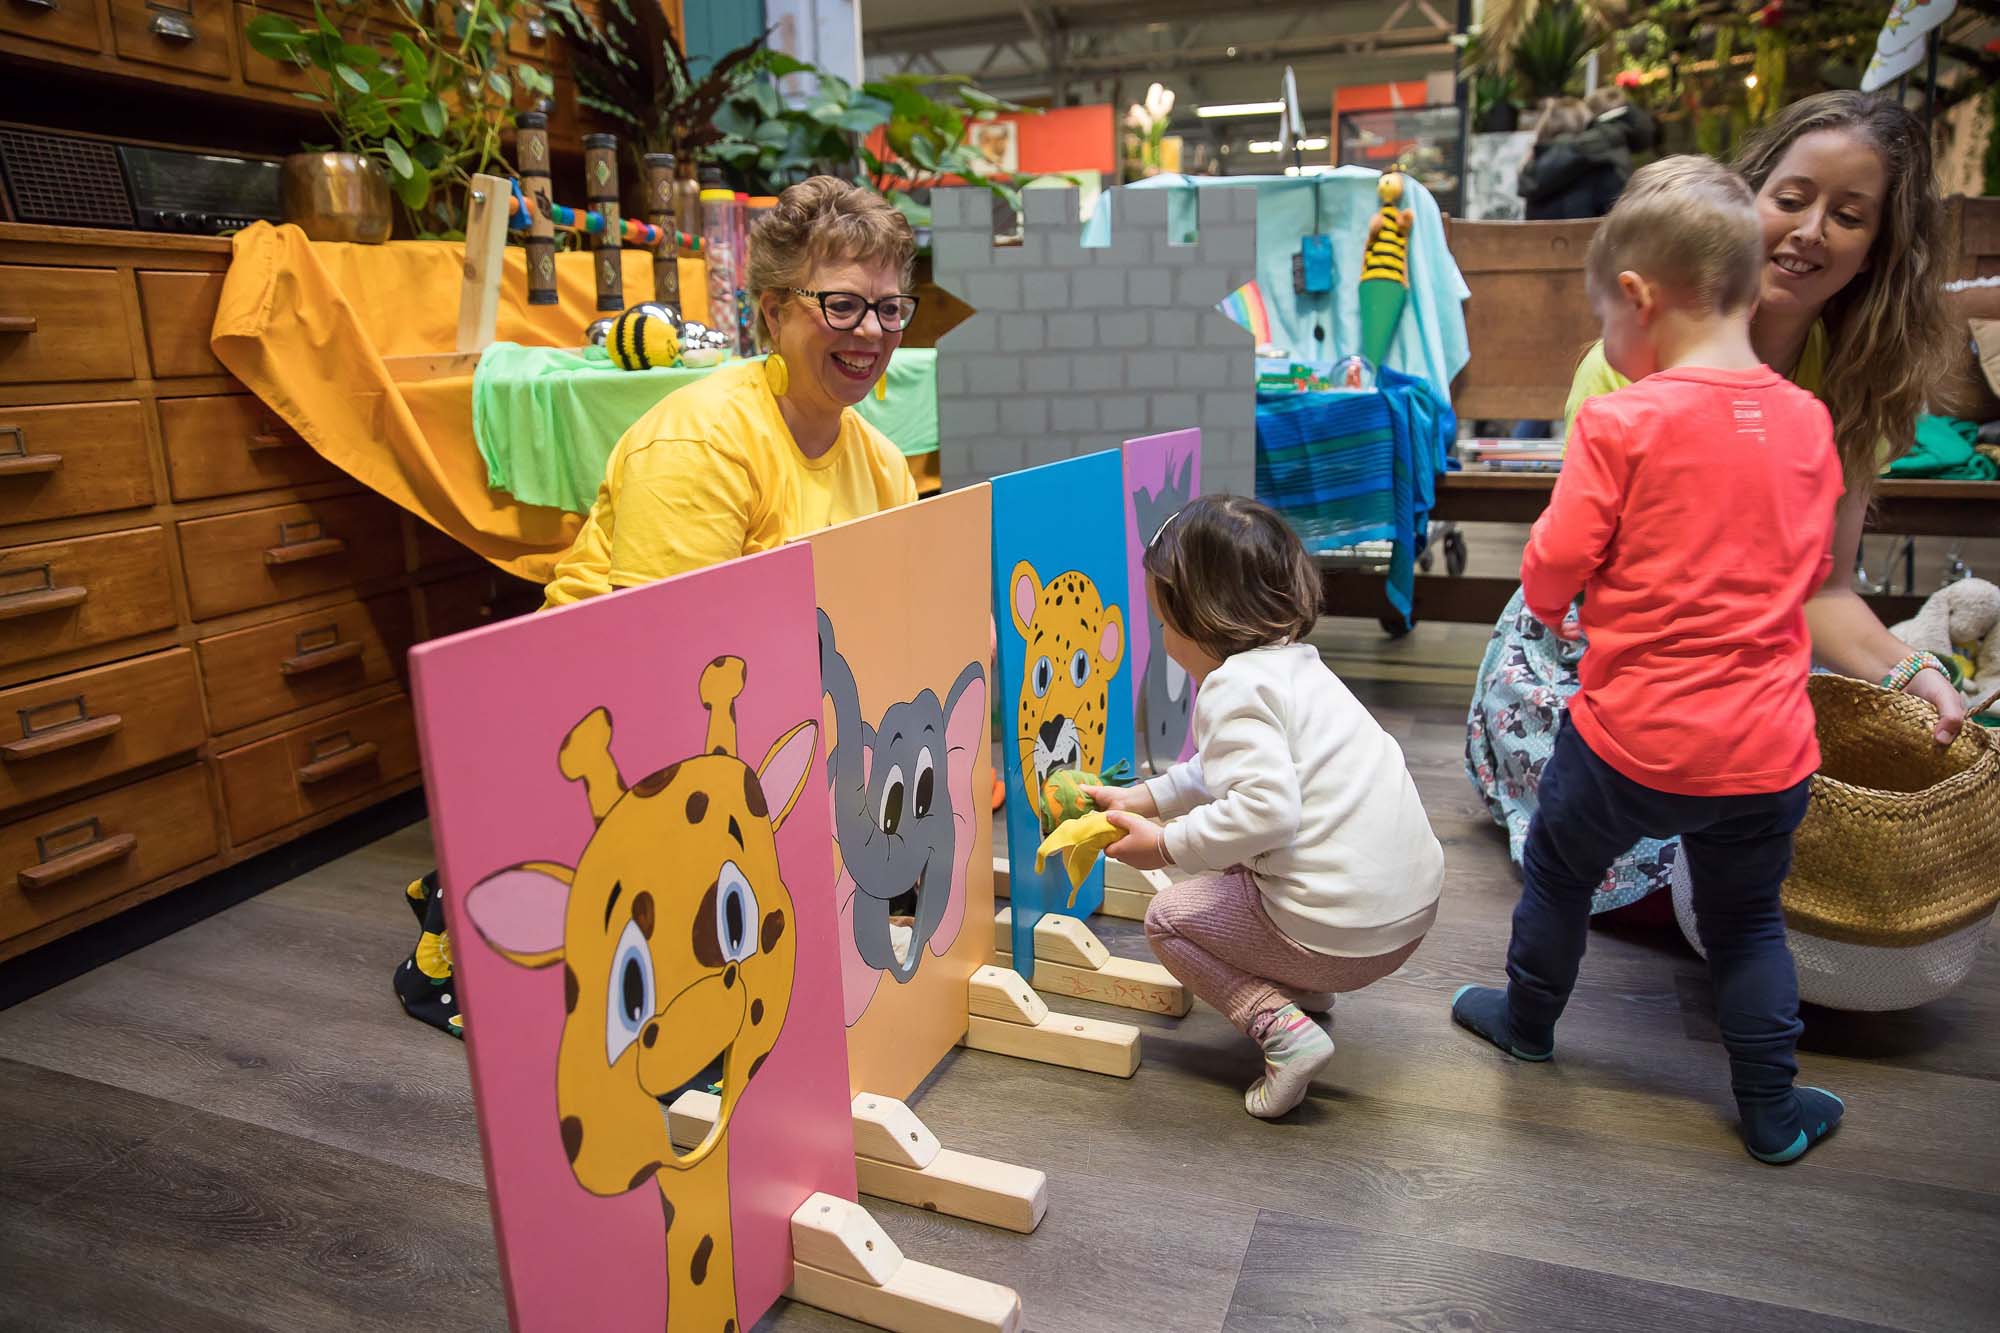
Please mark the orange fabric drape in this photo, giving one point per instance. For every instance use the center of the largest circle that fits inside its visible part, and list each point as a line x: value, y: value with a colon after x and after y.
x: 306, y: 325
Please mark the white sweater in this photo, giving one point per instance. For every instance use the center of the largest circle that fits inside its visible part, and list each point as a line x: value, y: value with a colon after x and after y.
x: 1294, y: 780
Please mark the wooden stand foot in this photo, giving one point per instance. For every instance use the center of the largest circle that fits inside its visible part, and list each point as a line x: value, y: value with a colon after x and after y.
x: 1069, y: 960
x: 896, y: 1157
x: 843, y: 1262
x: 1127, y: 892
x: 1008, y: 1018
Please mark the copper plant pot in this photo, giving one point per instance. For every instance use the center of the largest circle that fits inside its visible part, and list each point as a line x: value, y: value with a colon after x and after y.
x: 337, y: 196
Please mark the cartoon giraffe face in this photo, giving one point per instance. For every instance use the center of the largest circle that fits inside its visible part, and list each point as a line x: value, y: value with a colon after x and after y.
x: 674, y: 933
x: 1074, y: 644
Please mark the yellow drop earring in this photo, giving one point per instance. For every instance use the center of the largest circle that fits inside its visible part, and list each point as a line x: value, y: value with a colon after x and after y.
x: 882, y: 389
x: 777, y: 374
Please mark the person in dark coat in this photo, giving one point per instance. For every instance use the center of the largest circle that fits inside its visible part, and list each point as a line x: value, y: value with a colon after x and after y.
x: 1579, y: 165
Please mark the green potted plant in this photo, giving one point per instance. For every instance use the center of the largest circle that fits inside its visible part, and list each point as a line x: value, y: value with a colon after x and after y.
x: 415, y: 111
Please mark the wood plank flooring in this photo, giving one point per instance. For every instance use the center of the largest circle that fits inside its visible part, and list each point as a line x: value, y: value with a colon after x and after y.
x: 236, y: 1127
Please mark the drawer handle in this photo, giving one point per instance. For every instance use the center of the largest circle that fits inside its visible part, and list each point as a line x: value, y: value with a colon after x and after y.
x: 171, y: 27
x: 16, y: 461
x: 331, y: 760
x: 54, y: 866
x: 318, y: 649
x: 46, y: 736
x: 270, y: 440
x: 39, y: 598
x: 304, y: 540
x: 537, y: 30
x: 17, y: 324
x: 48, y: 5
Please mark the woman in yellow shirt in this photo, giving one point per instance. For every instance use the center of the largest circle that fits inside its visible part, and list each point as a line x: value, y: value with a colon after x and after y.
x: 761, y: 453
x: 1852, y: 308
x: 755, y: 455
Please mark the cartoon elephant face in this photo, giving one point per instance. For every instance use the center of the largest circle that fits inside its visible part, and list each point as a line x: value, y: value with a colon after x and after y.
x: 902, y: 810
x: 1166, y: 693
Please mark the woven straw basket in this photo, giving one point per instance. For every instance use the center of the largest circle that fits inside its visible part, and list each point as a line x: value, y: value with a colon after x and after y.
x: 1896, y: 869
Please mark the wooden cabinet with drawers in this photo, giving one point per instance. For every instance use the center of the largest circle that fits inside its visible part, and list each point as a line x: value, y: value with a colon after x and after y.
x: 203, y: 623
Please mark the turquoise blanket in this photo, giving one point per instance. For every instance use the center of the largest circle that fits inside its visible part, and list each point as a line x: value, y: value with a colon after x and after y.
x: 547, y: 418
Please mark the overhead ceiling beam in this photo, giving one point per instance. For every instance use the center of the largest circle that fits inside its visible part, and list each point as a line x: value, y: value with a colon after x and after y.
x: 1094, y: 18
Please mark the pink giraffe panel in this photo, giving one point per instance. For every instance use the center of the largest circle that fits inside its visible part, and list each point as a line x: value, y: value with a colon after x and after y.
x: 627, y: 801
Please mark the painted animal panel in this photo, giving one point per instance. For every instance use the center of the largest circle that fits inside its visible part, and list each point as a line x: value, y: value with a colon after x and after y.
x: 904, y: 821
x: 676, y: 937
x: 1166, y: 693
x: 1073, y: 645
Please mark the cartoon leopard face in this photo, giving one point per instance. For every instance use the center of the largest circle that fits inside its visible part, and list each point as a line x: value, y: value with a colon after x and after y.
x: 1074, y: 645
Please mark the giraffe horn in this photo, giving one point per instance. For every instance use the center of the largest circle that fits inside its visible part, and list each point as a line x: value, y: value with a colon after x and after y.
x: 586, y: 757
x: 721, y: 683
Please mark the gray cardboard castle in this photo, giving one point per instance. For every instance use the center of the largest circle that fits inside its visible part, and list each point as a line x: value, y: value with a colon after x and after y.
x: 1073, y: 350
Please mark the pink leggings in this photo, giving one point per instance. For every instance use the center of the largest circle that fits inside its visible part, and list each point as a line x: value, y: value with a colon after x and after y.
x: 1215, y: 937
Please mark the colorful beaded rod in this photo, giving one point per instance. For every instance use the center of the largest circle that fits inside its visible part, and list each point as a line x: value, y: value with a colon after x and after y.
x: 591, y: 222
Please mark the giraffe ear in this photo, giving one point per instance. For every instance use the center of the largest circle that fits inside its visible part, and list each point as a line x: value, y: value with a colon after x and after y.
x: 519, y: 911
x: 783, y: 773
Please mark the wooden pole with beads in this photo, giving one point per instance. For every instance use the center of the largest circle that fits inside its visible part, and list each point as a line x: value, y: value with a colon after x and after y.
x: 660, y: 212
x: 600, y: 175
x: 532, y: 145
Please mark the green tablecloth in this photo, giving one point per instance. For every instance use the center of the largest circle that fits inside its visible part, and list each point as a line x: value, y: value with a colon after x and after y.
x: 547, y: 418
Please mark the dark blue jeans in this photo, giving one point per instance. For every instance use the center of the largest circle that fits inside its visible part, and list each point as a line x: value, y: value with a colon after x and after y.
x: 1738, y: 850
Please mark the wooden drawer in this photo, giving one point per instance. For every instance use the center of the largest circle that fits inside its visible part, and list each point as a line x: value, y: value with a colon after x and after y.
x: 301, y: 772
x: 69, y: 22
x: 188, y: 35
x: 85, y: 458
x: 533, y: 35
x: 483, y: 597
x: 230, y: 443
x: 266, y: 670
x: 83, y: 853
x: 62, y: 324
x: 260, y: 69
x: 436, y: 551
x: 180, y: 312
x: 271, y: 555
x: 56, y: 597
x: 64, y: 732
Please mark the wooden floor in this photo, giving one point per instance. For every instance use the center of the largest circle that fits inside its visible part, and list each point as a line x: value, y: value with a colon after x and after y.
x: 237, y: 1128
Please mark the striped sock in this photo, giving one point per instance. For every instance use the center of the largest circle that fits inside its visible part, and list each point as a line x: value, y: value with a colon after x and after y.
x: 1295, y: 1049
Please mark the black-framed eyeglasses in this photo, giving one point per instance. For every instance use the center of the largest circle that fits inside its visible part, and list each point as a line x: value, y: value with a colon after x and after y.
x: 845, y: 310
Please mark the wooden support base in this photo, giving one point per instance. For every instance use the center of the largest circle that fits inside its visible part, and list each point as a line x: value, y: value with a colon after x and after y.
x: 844, y: 1263
x: 1069, y: 960
x: 896, y: 1157
x: 1008, y: 1018
x: 1127, y: 892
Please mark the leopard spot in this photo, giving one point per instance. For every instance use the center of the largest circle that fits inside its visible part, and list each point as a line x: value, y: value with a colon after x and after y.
x: 572, y: 1136
x: 698, y: 1270
x: 643, y: 1174
x: 755, y: 1065
x: 569, y: 990
x: 720, y: 750
x: 756, y: 1012
x: 774, y: 929
x: 650, y: 1036
x: 729, y: 976
x: 753, y: 793
x: 667, y: 1212
x: 697, y: 807
x: 642, y: 913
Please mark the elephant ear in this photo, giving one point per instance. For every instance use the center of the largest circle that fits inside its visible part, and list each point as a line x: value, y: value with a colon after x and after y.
x: 964, y: 733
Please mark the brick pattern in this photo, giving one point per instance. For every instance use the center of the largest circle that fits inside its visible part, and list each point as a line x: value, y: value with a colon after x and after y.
x: 1074, y: 350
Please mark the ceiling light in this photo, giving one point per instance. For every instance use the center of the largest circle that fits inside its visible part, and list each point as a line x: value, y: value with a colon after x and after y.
x: 1312, y: 144
x: 1750, y: 81
x: 1239, y: 109
x: 1266, y: 146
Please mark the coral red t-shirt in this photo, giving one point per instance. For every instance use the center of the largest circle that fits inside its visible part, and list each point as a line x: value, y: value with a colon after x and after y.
x: 1695, y: 513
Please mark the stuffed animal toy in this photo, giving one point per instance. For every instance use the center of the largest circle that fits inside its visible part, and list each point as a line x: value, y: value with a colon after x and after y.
x: 1074, y: 827
x: 1960, y: 620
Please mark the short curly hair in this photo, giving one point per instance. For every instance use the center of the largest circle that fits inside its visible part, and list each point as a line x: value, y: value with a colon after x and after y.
x: 825, y: 220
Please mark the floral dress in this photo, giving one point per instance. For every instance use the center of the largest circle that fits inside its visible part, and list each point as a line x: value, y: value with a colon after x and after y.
x: 1525, y: 681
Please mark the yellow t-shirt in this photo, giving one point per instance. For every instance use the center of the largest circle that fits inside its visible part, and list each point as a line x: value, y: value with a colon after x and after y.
x: 1594, y: 374
x: 712, y: 473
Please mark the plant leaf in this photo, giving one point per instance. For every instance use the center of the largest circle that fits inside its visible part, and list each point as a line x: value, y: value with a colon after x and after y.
x: 414, y: 62
x: 353, y: 78
x: 772, y: 134
x: 499, y: 83
x: 274, y: 36
x: 399, y: 161
x: 414, y: 188
x: 433, y: 116
x: 309, y: 97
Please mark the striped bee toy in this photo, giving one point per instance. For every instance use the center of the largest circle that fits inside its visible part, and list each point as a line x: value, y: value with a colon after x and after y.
x: 1388, y: 252
x: 643, y: 338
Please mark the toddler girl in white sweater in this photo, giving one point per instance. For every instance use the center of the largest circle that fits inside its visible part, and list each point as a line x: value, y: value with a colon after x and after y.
x: 1317, y: 869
